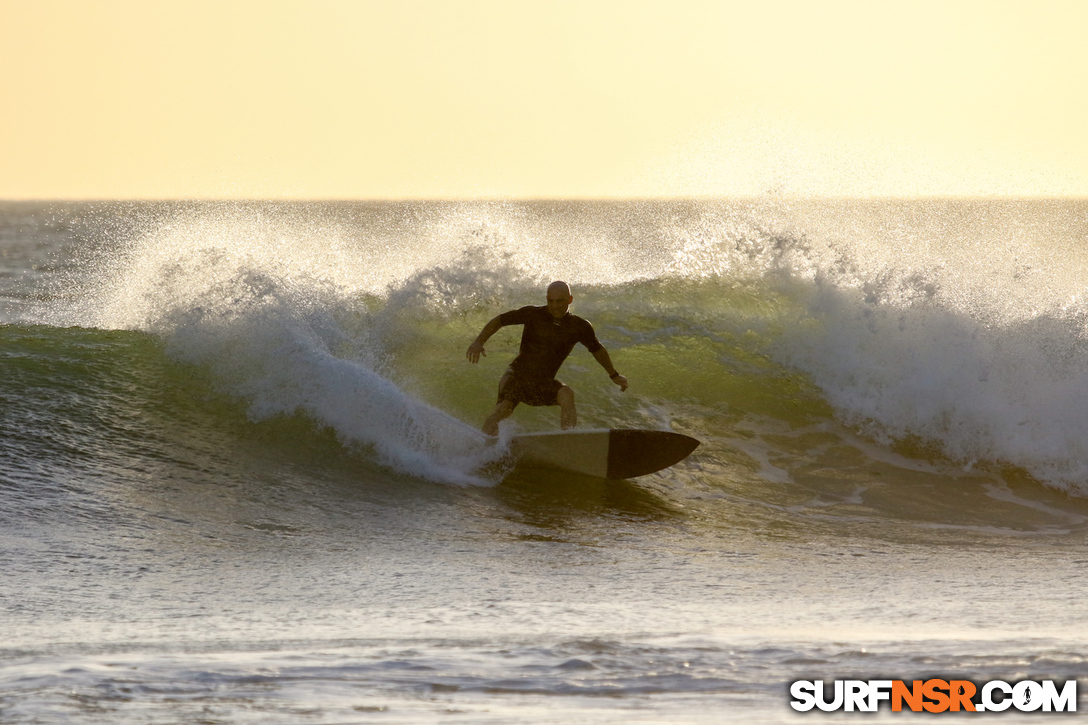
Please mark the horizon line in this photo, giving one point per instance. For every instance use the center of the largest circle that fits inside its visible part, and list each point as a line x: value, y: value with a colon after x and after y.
x: 770, y: 197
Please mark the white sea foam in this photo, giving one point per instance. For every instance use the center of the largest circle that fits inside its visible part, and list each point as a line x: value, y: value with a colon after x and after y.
x: 974, y: 343
x: 264, y: 306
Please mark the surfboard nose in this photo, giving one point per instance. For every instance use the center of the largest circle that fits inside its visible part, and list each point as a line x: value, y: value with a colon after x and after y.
x: 634, y: 453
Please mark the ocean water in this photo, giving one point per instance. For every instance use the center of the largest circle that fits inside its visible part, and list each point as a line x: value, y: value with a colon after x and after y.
x: 241, y: 479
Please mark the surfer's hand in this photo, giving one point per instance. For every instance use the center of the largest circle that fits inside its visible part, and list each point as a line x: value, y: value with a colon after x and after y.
x: 475, y: 350
x: 622, y: 382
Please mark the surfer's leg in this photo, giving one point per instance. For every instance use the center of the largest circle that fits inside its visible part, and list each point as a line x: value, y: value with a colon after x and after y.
x: 503, y: 408
x: 502, y: 411
x: 568, y: 414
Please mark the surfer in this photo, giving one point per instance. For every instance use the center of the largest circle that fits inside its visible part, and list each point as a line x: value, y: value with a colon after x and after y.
x: 548, y: 336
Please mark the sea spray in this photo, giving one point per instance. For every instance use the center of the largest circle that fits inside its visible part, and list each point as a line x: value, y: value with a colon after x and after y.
x: 264, y: 309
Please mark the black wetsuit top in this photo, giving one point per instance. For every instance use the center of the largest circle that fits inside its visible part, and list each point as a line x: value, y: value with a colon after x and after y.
x: 545, y: 341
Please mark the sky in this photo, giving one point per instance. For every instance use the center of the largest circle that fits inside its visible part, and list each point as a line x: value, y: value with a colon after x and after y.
x: 508, y: 99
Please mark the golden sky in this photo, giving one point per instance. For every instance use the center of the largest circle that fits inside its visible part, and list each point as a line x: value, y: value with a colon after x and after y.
x: 552, y: 99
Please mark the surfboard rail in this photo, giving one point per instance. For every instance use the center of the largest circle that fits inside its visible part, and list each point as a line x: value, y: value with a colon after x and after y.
x: 614, y: 453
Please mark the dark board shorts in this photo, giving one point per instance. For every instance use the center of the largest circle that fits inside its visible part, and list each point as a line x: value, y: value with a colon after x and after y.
x: 529, y: 391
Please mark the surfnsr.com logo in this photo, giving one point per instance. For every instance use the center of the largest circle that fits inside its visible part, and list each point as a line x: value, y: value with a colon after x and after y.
x: 934, y: 695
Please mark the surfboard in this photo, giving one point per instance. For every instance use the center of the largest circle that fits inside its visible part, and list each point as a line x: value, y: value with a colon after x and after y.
x: 606, y: 453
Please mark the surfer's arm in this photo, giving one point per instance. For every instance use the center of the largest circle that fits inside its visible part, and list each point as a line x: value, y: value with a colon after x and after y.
x: 476, y: 349
x: 606, y: 362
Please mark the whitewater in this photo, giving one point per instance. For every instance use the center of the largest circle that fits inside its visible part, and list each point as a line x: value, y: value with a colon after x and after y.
x: 242, y: 477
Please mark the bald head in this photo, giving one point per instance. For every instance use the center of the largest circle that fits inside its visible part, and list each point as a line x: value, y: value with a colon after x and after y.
x: 558, y: 288
x: 559, y: 299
